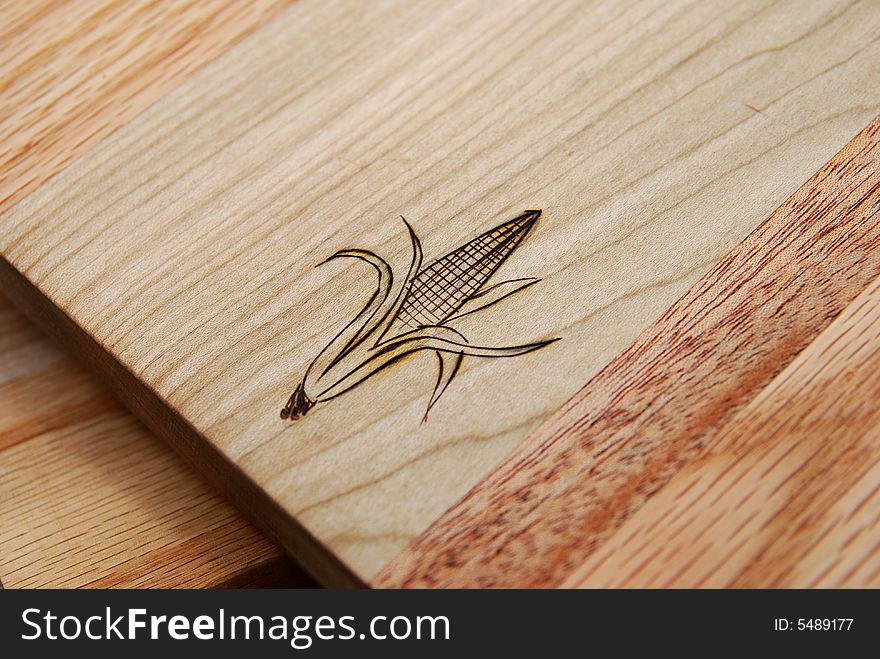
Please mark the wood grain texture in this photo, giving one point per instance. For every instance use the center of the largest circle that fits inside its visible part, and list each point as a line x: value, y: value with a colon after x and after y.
x: 73, y: 72
x: 72, y: 461
x: 180, y: 254
x: 91, y: 499
x: 787, y: 495
x: 661, y: 402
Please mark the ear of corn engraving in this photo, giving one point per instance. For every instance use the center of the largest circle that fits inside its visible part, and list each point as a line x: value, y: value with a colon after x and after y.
x: 389, y: 327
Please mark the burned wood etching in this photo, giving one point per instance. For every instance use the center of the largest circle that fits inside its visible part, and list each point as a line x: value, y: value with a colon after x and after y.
x: 417, y: 318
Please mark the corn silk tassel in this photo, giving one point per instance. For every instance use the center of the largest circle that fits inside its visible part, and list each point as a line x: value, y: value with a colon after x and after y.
x: 389, y: 327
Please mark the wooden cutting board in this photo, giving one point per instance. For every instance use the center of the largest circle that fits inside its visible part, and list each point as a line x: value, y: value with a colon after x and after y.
x: 92, y: 499
x: 179, y: 256
x: 708, y: 379
x: 89, y: 497
x: 798, y: 469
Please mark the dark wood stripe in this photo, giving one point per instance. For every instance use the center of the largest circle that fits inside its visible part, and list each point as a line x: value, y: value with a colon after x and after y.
x: 788, y: 496
x: 655, y: 406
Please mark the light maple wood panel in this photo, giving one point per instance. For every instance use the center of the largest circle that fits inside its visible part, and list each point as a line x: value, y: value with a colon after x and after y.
x: 91, y: 499
x: 73, y: 72
x: 654, y: 408
x: 787, y: 495
x: 180, y: 254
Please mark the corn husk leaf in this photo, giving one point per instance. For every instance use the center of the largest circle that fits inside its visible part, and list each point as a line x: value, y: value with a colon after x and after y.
x: 342, y: 353
x: 492, y: 295
x: 439, y: 338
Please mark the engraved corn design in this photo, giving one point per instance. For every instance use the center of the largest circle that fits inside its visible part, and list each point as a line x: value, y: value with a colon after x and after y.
x: 444, y: 285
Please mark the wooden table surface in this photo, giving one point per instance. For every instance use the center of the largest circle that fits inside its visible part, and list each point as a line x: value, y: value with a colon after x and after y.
x: 708, y: 255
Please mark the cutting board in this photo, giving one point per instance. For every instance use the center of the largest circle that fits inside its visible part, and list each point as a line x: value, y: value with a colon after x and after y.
x: 732, y: 443
x: 407, y: 150
x: 90, y: 498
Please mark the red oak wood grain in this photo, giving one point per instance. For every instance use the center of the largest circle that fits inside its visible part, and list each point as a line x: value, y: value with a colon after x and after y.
x: 789, y: 493
x: 661, y: 402
x: 73, y: 72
